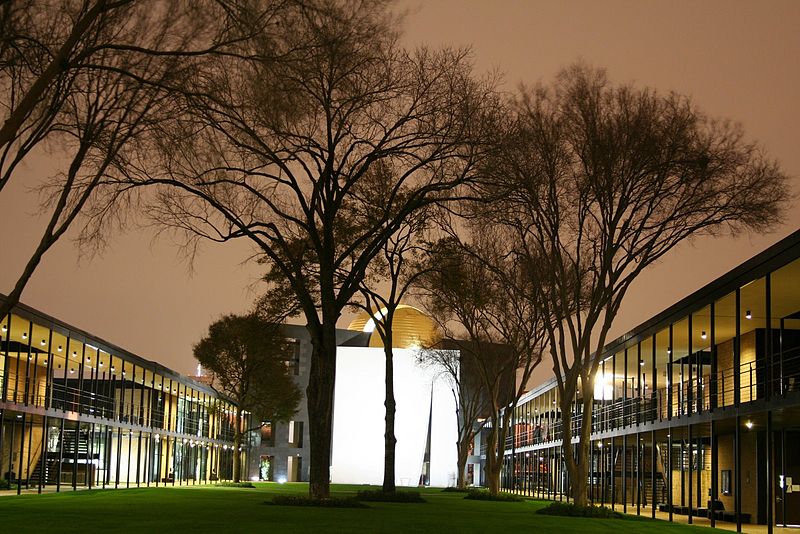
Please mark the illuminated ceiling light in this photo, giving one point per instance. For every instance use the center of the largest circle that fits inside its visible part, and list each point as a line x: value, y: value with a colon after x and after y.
x: 43, y: 342
x: 112, y: 369
x: 88, y: 359
x: 60, y: 348
x: 600, y: 445
x: 74, y: 353
x: 5, y: 328
x: 703, y: 335
x: 100, y: 364
x: 641, y: 362
x: 24, y: 335
x: 669, y: 350
x: 72, y: 371
x: 749, y: 425
x: 748, y: 315
x: 45, y: 361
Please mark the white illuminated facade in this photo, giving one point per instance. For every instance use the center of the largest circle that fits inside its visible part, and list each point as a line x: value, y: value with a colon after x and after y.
x: 426, y: 425
x: 425, y: 420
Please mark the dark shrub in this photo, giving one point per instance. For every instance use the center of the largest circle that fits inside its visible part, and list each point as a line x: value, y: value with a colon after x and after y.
x: 301, y: 500
x: 483, y: 495
x: 4, y: 484
x: 389, y: 496
x: 570, y: 510
x: 235, y: 484
x: 453, y: 489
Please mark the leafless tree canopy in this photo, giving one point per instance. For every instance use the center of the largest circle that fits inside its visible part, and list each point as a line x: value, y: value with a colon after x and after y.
x: 478, y: 288
x: 598, y: 181
x: 85, y: 79
x: 314, y: 140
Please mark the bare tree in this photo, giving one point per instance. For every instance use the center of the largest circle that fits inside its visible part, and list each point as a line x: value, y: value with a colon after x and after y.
x: 85, y: 78
x: 316, y: 142
x: 471, y: 402
x: 400, y: 267
x: 599, y: 181
x: 480, y: 289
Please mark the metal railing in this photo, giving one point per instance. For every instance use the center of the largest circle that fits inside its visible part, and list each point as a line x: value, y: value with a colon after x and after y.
x: 757, y: 380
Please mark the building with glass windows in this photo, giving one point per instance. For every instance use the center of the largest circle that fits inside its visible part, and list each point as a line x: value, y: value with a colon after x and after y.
x: 696, y: 411
x: 79, y: 412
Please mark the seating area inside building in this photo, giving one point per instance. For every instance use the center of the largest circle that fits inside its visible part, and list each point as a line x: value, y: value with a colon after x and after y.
x: 78, y: 412
x: 696, y: 411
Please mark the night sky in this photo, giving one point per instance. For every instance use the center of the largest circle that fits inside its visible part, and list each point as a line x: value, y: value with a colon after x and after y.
x: 736, y: 59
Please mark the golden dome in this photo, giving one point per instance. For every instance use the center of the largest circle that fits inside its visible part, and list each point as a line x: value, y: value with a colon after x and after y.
x: 411, y: 328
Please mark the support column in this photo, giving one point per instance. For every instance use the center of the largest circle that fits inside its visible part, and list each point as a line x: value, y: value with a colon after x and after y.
x: 43, y: 455
x: 714, y: 472
x: 737, y: 451
x: 770, y: 474
x: 691, y: 461
x: 669, y: 468
x: 21, y: 451
x: 653, y: 473
x: 625, y: 473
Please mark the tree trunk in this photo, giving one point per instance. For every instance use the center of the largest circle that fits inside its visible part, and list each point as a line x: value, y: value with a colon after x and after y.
x: 319, y: 394
x: 461, y: 463
x: 390, y: 441
x: 492, y: 465
x: 578, y: 468
x: 237, y: 443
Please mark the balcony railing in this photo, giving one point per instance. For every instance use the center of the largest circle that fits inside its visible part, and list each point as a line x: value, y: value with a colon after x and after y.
x: 757, y: 380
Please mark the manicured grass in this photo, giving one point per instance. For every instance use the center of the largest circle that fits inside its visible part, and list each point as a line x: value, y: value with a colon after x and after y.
x: 218, y: 509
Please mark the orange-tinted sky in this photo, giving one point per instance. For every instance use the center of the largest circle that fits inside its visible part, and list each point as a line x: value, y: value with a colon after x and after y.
x: 737, y: 59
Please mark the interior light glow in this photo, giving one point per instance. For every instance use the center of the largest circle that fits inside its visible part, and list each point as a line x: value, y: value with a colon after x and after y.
x: 24, y: 335
x: 749, y: 425
x: 641, y: 362
x: 703, y: 334
x: 748, y: 315
x: 5, y: 328
x: 43, y: 342
x: 60, y: 348
x: 281, y: 480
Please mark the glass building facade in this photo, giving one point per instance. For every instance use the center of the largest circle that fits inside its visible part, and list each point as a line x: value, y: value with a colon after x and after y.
x: 77, y: 412
x: 696, y: 411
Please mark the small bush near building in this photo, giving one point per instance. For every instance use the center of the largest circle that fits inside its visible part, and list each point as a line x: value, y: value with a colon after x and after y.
x: 570, y: 510
x: 333, y: 502
x: 453, y: 489
x: 235, y: 484
x: 483, y: 495
x: 4, y: 484
x: 389, y: 496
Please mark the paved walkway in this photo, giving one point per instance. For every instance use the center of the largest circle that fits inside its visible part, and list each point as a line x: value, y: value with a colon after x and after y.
x: 705, y: 522
x: 697, y: 521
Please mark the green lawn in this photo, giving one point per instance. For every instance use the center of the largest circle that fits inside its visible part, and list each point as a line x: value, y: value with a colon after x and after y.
x: 208, y: 509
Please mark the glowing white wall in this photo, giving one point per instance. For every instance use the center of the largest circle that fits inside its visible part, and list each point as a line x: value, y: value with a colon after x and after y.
x: 358, y: 421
